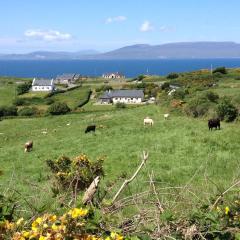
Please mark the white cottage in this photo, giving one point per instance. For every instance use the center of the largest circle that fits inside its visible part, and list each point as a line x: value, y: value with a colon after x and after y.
x: 42, y: 85
x: 123, y: 96
x: 113, y: 75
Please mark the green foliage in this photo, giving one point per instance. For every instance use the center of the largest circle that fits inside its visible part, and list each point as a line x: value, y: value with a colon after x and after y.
x: 58, y: 108
x: 197, y: 107
x: 27, y: 111
x: 18, y: 102
x: 179, y: 94
x: 8, y: 111
x: 23, y: 88
x: 103, y: 88
x: 86, y: 100
x: 211, y: 96
x: 165, y: 86
x: 77, y: 173
x: 222, y: 70
x: 226, y: 110
x: 172, y: 75
x: 120, y: 105
x: 49, y: 101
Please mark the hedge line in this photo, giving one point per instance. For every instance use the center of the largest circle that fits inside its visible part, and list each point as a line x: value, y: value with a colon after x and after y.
x: 85, y: 101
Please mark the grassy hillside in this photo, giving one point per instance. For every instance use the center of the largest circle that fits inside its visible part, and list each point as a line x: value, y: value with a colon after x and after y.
x: 180, y: 149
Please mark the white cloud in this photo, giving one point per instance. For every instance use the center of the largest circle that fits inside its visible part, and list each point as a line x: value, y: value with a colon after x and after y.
x: 165, y: 28
x: 47, y: 35
x: 116, y: 19
x: 146, y: 27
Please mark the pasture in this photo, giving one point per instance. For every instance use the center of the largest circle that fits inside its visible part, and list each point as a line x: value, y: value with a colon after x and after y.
x: 181, y: 151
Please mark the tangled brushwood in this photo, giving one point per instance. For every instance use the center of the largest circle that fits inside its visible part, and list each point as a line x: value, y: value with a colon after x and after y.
x: 75, y: 174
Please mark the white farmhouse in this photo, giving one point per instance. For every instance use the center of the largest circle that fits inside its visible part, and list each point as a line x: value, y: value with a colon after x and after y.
x: 113, y: 75
x: 123, y: 96
x: 42, y: 85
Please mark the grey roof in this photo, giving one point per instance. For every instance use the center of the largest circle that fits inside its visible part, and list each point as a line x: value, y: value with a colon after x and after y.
x: 123, y: 93
x: 42, y: 82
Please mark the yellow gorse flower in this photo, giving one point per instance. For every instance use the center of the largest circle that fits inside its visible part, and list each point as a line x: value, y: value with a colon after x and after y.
x: 78, y: 212
x: 227, y: 210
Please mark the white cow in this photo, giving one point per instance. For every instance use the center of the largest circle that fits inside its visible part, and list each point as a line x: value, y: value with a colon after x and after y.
x: 166, y: 116
x: 148, y: 120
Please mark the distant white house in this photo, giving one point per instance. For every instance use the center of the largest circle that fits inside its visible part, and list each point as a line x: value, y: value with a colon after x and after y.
x: 42, y: 85
x: 122, y: 96
x: 67, y: 78
x: 113, y: 75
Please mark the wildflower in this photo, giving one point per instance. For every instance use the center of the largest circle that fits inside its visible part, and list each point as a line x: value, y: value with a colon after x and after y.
x: 42, y: 238
x: 26, y: 234
x: 19, y: 221
x: 78, y: 212
x: 52, y: 218
x: 227, y: 210
x: 116, y: 236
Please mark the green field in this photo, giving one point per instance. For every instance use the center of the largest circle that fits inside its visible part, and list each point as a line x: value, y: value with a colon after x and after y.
x: 181, y: 150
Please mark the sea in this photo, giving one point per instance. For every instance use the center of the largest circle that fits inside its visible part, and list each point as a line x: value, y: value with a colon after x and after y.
x: 94, y: 68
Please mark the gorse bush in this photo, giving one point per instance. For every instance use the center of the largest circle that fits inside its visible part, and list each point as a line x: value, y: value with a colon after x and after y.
x: 172, y: 75
x: 226, y: 110
x: 77, y: 223
x: 8, y: 111
x: 211, y: 96
x: 58, y: 108
x: 23, y: 88
x: 120, y: 105
x: 78, y: 172
x: 27, y: 111
x: 222, y: 70
x: 18, y: 102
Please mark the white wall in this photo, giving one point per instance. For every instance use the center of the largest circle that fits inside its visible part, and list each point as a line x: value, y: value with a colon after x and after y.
x: 42, y: 88
x: 127, y: 100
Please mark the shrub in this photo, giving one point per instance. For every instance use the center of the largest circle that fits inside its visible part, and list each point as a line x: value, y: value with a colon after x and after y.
x: 120, y: 105
x: 222, y: 70
x: 27, y: 111
x: 23, y: 88
x: 179, y: 94
x: 211, y: 96
x: 49, y: 101
x: 165, y: 86
x: 172, y: 75
x: 8, y: 111
x: 18, y: 102
x: 103, y: 88
x: 197, y: 107
x: 226, y: 110
x: 58, y: 108
x: 77, y: 173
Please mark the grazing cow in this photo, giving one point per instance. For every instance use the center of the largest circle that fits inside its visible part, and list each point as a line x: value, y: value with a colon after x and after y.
x: 90, y: 128
x: 148, y: 120
x: 166, y: 116
x: 28, y: 146
x: 214, y: 123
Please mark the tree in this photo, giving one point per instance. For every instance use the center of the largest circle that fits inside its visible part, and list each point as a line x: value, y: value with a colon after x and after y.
x: 23, y: 88
x: 58, y: 108
x: 222, y: 70
x: 226, y: 110
x: 172, y: 75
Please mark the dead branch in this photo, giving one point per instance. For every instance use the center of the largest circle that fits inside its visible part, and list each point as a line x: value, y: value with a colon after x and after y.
x: 227, y: 190
x: 88, y: 195
x: 127, y: 181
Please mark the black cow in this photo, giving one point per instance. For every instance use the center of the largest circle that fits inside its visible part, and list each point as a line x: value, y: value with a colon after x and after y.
x: 90, y: 128
x: 214, y: 123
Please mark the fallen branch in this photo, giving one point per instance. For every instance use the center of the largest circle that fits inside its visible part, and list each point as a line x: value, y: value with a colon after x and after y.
x: 88, y: 195
x: 127, y: 181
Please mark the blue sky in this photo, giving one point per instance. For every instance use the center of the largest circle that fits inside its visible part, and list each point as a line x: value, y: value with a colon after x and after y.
x: 72, y: 25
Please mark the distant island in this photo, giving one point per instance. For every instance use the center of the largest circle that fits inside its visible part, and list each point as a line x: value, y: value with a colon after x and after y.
x: 182, y: 50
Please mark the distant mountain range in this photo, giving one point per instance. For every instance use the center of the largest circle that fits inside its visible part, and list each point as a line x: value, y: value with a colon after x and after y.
x: 142, y: 51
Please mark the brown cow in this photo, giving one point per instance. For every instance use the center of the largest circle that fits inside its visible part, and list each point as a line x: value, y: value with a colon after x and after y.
x: 28, y: 146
